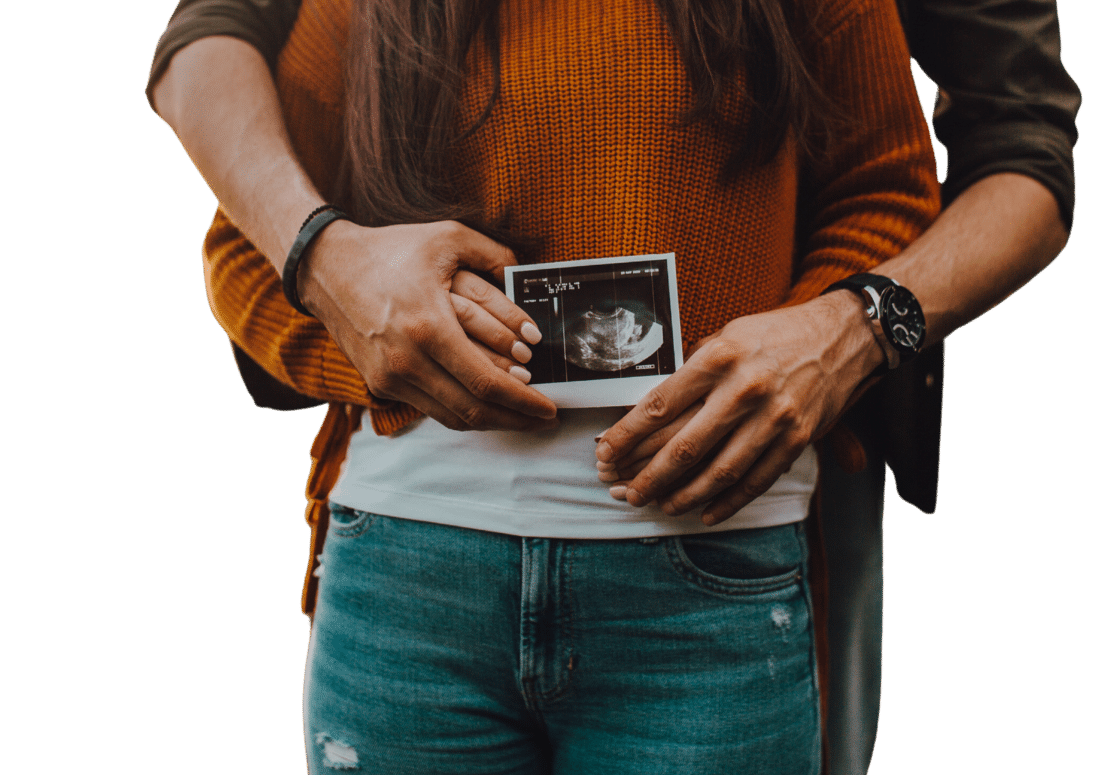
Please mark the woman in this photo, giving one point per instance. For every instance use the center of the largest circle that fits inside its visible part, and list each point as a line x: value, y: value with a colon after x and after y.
x: 505, y: 614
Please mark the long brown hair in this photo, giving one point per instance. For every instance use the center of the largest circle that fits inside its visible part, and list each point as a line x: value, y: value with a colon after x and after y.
x: 404, y: 64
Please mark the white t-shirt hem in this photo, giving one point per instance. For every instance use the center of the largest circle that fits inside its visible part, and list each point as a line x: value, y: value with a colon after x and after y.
x: 539, y: 523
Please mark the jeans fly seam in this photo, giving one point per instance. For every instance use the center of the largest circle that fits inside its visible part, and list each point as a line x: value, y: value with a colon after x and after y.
x: 565, y: 630
x: 527, y: 657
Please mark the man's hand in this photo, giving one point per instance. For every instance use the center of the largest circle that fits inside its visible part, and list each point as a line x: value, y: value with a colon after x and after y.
x: 742, y: 409
x: 397, y: 304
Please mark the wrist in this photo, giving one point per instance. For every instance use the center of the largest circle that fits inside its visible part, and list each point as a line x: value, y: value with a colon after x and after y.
x: 318, y: 276
x: 894, y: 314
x: 858, y: 346
x: 285, y: 218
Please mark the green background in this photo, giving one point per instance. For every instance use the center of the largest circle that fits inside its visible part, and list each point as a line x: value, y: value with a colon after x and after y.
x: 153, y: 541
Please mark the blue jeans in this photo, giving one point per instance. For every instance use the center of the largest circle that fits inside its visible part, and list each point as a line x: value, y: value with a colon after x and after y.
x: 438, y: 650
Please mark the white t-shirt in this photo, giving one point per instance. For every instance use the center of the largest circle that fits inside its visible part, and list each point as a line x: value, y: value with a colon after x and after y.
x: 529, y: 484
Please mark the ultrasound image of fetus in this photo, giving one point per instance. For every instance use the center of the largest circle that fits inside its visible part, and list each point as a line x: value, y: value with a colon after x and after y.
x: 612, y: 339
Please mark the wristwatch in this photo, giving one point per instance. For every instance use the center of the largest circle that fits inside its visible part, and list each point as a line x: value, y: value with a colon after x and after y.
x: 894, y: 314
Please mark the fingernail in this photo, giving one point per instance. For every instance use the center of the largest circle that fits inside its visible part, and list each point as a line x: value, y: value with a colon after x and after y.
x: 604, y: 452
x: 520, y: 373
x: 635, y: 498
x: 531, y: 333
x: 599, y: 436
x: 521, y: 352
x: 601, y: 466
x: 618, y: 492
x: 608, y: 476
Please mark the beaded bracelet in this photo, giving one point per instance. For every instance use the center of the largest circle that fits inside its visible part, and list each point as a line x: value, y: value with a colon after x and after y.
x: 319, y: 219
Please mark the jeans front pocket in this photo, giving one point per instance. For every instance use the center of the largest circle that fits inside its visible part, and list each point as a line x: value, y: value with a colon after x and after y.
x: 740, y: 562
x: 349, y: 523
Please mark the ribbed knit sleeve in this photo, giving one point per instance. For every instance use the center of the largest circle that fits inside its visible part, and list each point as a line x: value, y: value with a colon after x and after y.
x: 245, y: 296
x: 878, y: 190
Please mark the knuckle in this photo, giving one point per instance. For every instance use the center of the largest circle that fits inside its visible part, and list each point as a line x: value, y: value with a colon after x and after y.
x: 482, y: 386
x: 784, y: 410
x: 463, y: 311
x: 655, y: 406
x: 476, y: 289
x: 685, y: 452
x: 399, y: 366
x: 419, y: 329
x: 750, y: 392
x: 766, y: 374
x: 382, y: 385
x: 475, y: 416
x: 753, y: 488
x: 502, y: 341
x: 719, y: 352
x: 725, y: 475
x: 797, y: 438
x: 759, y: 384
x: 448, y: 229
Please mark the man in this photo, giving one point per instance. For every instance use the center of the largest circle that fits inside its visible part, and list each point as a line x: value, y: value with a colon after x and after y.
x: 1006, y: 114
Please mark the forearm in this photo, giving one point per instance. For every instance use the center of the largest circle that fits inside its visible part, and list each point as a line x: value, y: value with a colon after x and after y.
x: 995, y: 237
x: 219, y: 98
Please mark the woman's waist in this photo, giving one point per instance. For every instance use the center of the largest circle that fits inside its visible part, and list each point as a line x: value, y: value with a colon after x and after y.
x: 542, y: 484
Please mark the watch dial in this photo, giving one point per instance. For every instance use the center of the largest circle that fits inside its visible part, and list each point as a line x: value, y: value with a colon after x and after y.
x: 903, y: 319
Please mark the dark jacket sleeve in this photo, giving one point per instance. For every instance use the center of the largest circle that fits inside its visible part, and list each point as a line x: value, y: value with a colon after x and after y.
x: 265, y: 24
x: 1006, y: 104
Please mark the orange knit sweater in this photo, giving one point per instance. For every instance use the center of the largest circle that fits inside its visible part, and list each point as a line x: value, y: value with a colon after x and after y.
x: 586, y: 153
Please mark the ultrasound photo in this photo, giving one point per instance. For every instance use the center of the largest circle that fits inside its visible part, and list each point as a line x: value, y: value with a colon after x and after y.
x: 610, y: 327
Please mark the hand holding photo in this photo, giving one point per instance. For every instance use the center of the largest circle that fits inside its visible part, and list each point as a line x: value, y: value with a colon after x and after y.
x: 610, y: 327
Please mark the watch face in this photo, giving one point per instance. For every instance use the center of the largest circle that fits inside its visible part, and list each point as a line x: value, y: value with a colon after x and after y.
x: 902, y: 319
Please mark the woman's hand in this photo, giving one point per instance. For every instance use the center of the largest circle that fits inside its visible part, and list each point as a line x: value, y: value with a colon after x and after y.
x: 742, y: 409
x: 398, y: 305
x: 497, y: 325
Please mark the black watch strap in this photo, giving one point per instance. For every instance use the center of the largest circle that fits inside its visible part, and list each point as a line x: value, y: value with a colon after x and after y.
x: 859, y: 282
x: 894, y: 315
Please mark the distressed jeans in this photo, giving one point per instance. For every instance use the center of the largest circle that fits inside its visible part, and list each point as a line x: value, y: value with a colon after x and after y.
x: 441, y: 650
